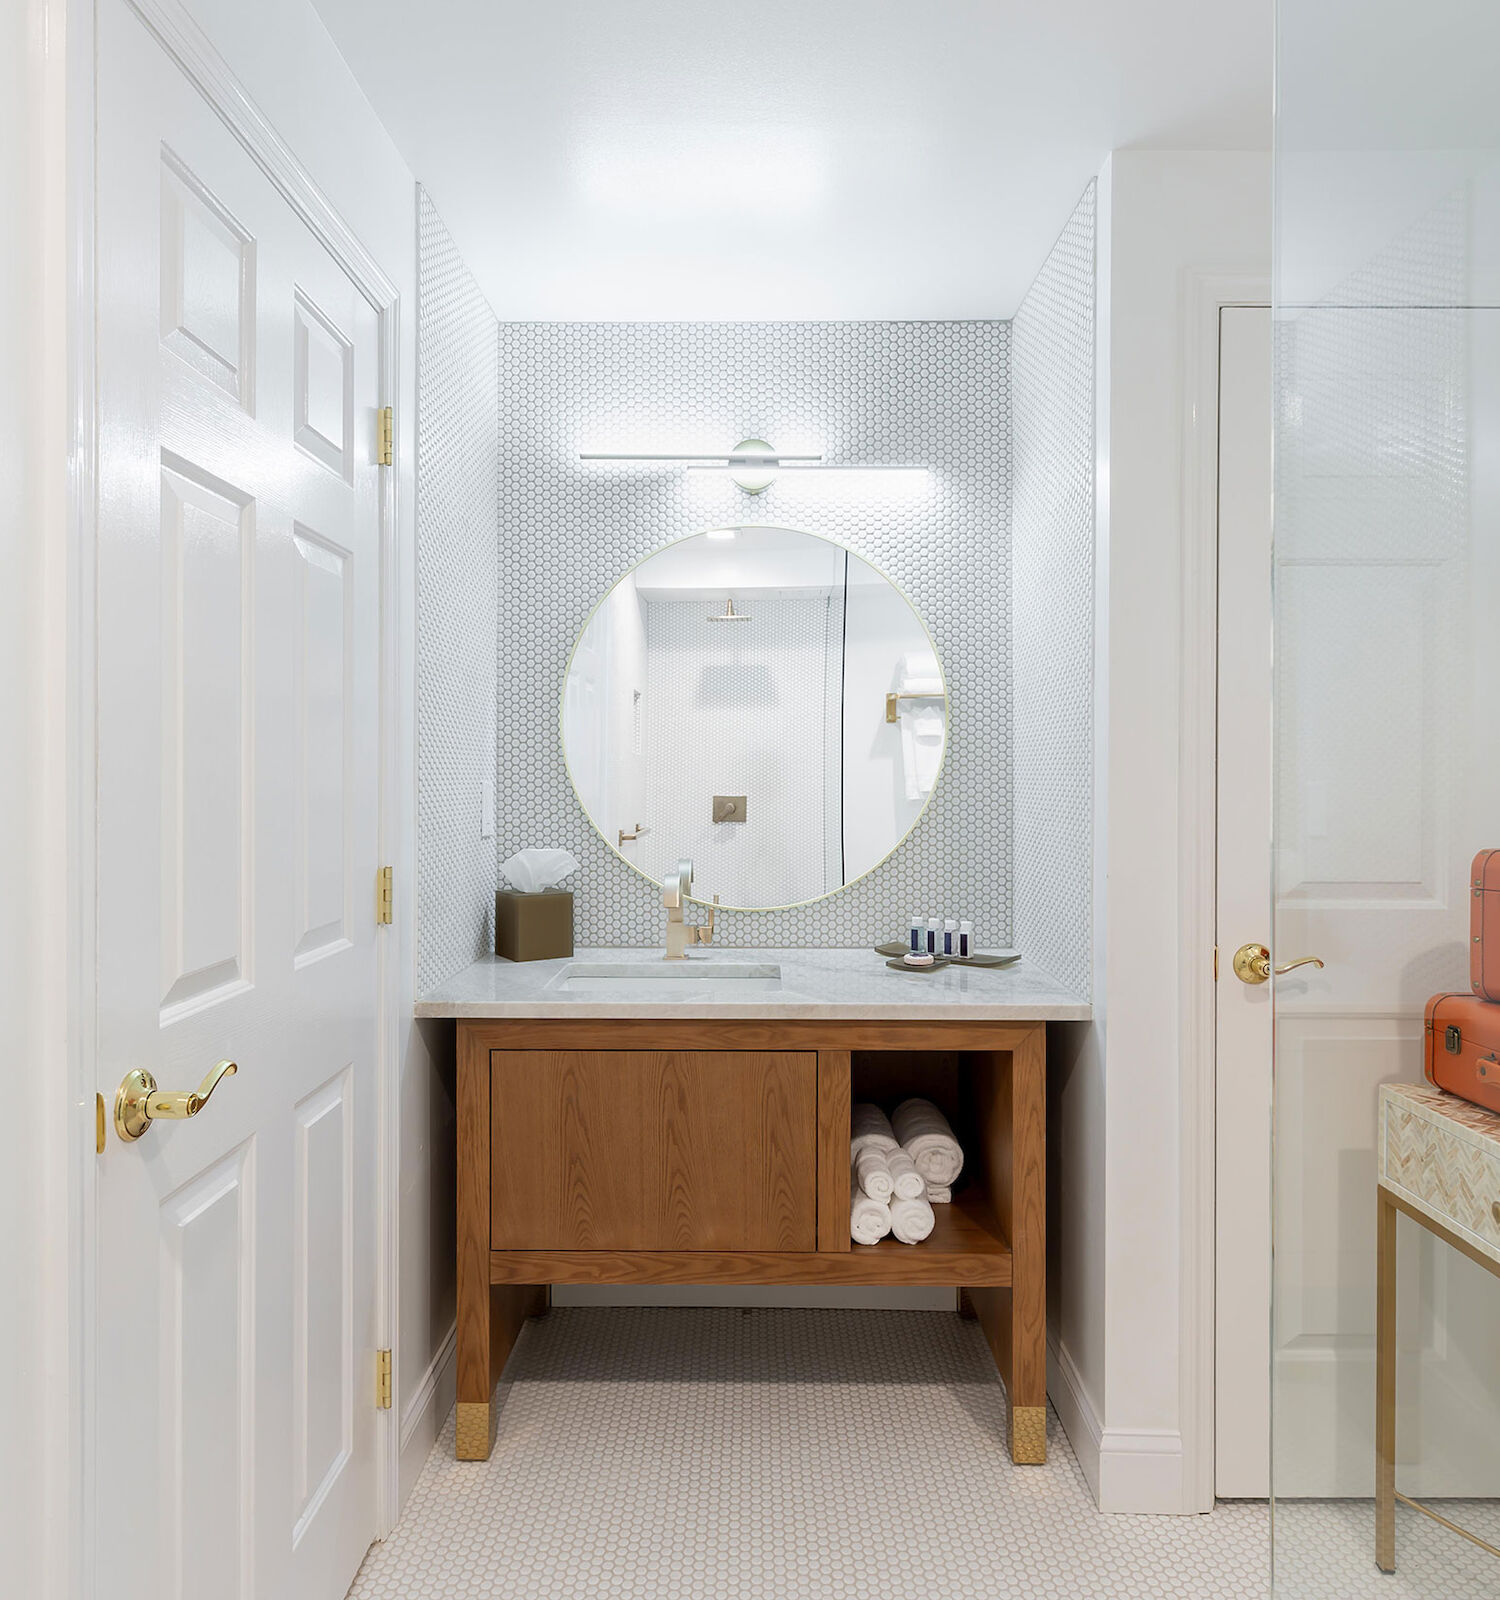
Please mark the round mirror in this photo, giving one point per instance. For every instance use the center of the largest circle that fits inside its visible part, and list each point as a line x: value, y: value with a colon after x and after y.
x: 762, y: 701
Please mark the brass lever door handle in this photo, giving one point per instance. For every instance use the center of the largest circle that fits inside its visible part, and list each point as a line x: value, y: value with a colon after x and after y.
x: 139, y: 1102
x: 1252, y: 964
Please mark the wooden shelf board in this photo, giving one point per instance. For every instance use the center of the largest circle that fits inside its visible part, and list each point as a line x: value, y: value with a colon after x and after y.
x: 965, y: 1249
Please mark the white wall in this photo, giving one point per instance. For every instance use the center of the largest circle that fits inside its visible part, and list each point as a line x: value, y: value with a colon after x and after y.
x: 1164, y: 216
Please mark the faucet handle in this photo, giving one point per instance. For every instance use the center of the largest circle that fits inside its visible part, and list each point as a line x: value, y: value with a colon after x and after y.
x: 675, y: 886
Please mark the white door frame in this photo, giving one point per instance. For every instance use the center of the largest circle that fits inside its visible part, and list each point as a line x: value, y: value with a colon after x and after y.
x: 70, y: 1231
x: 1204, y: 296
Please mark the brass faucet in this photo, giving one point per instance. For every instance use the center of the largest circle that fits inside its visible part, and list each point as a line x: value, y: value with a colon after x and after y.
x: 674, y: 893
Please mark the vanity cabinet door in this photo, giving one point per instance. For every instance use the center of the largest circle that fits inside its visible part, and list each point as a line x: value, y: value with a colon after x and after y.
x: 653, y: 1150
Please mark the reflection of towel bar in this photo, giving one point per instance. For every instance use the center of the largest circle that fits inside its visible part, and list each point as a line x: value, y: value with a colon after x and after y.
x: 892, y: 711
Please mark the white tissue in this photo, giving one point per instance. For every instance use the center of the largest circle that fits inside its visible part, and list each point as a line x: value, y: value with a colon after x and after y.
x: 531, y: 871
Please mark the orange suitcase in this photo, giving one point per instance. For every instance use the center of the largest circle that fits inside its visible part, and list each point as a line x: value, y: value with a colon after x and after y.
x: 1484, y: 925
x: 1463, y: 1048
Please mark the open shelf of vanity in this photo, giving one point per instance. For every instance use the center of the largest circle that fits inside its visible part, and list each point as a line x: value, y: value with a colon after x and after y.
x: 637, y: 1148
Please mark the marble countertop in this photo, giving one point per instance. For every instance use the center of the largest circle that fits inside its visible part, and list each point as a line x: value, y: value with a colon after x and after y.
x: 832, y: 985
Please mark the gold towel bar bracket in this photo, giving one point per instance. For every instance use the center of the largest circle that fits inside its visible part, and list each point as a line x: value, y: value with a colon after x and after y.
x: 892, y: 708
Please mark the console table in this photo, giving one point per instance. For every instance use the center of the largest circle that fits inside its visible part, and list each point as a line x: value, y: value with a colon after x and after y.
x: 1440, y: 1166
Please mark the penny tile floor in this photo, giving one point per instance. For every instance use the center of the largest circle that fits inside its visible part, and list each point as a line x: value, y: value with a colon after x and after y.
x: 652, y: 1454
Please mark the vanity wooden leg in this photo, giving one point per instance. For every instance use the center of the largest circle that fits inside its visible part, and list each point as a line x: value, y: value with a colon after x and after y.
x: 475, y: 1386
x: 490, y: 1317
x: 1385, y: 1384
x: 1009, y: 1091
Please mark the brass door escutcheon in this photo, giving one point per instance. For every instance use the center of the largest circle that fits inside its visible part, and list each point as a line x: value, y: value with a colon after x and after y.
x: 1252, y: 964
x: 139, y: 1102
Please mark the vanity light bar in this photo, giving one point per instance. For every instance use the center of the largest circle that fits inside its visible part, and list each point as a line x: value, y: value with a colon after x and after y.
x: 790, y: 464
x: 720, y: 459
x: 724, y: 463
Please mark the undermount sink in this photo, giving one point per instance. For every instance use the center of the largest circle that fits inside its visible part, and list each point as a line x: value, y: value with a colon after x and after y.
x: 667, y: 980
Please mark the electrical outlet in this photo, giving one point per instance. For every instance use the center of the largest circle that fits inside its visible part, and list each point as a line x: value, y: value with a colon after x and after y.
x: 487, y: 809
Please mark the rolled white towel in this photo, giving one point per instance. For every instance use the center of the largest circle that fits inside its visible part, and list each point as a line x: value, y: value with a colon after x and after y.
x: 925, y: 1135
x: 911, y: 1220
x: 870, y: 1220
x: 872, y: 1172
x: 904, y: 1175
x: 939, y: 1194
x: 869, y: 1127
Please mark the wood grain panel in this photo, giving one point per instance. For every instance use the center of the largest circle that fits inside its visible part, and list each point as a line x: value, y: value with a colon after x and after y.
x: 833, y: 1150
x: 964, y: 1248
x: 673, y: 1033
x: 653, y: 1150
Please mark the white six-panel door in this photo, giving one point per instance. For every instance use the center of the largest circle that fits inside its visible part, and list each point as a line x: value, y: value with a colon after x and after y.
x: 238, y: 650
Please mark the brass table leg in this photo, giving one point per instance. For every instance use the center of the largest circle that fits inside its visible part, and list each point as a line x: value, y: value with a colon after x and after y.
x: 1385, y: 1384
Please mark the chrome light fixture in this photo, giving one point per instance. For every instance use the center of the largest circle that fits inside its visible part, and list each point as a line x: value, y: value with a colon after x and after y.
x: 752, y: 464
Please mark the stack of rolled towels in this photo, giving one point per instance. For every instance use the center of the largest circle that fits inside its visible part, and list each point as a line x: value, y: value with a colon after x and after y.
x: 901, y: 1166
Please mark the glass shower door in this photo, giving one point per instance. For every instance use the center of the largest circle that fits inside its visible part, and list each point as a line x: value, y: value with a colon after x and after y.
x: 1387, y: 757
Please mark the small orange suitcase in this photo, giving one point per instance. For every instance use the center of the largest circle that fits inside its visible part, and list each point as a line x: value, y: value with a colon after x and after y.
x: 1484, y: 925
x: 1462, y: 1048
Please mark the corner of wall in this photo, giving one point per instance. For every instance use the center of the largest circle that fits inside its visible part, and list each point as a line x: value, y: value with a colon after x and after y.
x: 458, y: 542
x: 1054, y: 560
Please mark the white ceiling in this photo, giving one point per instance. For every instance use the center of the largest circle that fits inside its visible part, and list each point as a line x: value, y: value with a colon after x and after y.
x: 662, y: 159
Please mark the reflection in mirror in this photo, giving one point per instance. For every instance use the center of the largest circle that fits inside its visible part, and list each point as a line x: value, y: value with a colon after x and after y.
x: 762, y: 701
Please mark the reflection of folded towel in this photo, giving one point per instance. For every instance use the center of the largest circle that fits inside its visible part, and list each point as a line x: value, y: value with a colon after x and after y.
x: 870, y: 1220
x: 872, y: 1172
x: 869, y: 1125
x: 905, y: 1178
x: 926, y: 1137
x: 921, y: 750
x: 911, y: 1220
x: 939, y: 1194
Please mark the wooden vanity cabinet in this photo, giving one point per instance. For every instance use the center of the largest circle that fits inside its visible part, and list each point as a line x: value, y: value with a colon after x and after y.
x: 710, y: 1152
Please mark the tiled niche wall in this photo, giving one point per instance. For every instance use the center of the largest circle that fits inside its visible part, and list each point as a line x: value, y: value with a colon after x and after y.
x: 1052, y: 606
x: 928, y: 392
x: 458, y: 537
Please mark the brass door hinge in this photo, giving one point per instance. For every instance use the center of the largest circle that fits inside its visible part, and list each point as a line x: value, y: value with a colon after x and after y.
x: 385, y: 436
x: 385, y: 896
x: 383, y: 1380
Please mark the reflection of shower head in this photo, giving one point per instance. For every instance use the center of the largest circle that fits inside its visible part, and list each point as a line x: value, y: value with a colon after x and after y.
x: 729, y: 614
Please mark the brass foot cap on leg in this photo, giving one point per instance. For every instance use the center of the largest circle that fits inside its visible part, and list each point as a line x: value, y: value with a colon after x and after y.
x: 1028, y: 1435
x: 473, y: 1428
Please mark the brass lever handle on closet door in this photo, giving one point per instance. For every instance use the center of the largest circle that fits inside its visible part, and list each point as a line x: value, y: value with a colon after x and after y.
x: 139, y: 1102
x: 1252, y: 964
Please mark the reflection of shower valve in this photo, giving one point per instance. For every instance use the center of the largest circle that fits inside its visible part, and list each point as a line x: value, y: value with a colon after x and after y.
x: 629, y: 838
x: 729, y: 807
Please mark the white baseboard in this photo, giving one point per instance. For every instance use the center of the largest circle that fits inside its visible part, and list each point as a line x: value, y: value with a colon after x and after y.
x: 1140, y: 1470
x: 844, y: 1298
x: 1131, y: 1470
x: 1075, y: 1410
x: 425, y: 1413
